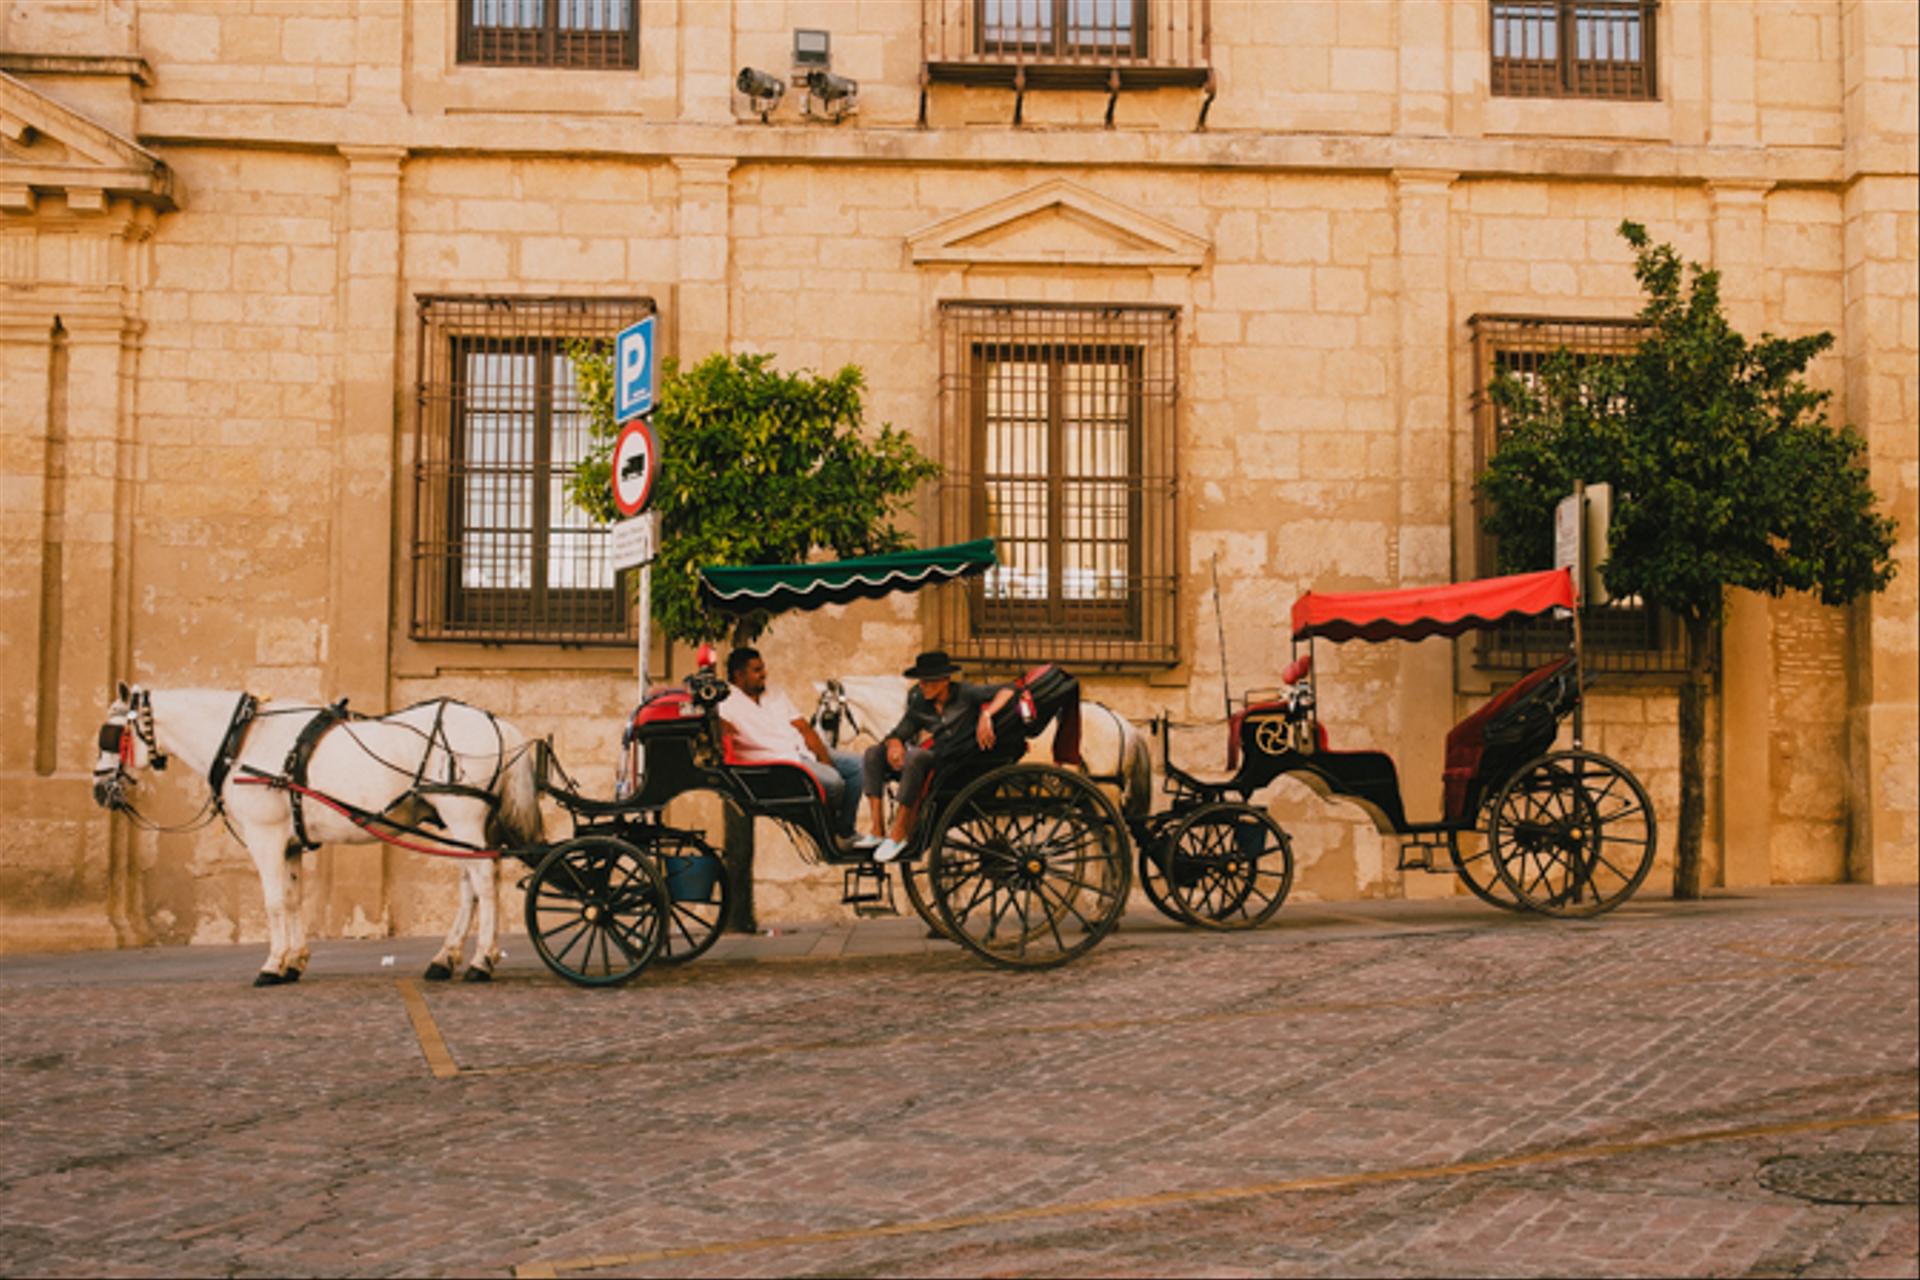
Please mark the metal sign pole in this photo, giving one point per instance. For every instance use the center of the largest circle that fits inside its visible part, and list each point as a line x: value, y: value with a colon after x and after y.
x: 646, y: 622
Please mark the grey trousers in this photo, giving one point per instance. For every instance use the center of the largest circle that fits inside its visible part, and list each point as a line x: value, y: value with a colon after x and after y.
x: 913, y: 775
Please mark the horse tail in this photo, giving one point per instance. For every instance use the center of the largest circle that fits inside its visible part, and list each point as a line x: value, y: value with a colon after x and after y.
x: 518, y: 822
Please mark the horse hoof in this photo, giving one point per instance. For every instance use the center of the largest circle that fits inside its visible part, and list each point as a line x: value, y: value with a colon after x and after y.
x: 291, y: 975
x: 267, y: 978
x: 437, y: 972
x: 474, y: 974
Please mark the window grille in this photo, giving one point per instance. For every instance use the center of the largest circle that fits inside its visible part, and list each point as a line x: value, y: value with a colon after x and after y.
x: 499, y: 554
x: 1573, y: 48
x: 1057, y: 438
x: 1062, y: 28
x: 550, y: 33
x: 1624, y: 635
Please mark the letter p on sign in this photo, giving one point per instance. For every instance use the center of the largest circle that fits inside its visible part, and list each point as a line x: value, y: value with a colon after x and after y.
x: 633, y: 371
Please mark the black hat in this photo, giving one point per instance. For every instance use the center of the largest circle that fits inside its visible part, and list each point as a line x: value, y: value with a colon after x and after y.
x: 932, y: 665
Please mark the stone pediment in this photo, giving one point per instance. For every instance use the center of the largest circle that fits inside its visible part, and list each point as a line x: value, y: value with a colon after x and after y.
x: 48, y: 149
x: 1056, y: 224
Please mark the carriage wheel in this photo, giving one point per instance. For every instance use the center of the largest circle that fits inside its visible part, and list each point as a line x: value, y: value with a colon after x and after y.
x: 699, y: 889
x: 594, y: 910
x: 1572, y: 834
x: 1229, y: 866
x: 1029, y: 866
x: 1476, y: 871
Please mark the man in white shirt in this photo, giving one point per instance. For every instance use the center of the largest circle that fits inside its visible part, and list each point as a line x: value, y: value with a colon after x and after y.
x: 763, y: 724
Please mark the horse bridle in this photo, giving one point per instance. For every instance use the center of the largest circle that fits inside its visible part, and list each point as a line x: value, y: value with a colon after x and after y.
x: 833, y: 708
x: 124, y: 727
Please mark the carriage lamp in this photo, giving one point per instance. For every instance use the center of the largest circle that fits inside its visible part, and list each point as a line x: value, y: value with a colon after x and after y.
x: 837, y: 95
x: 762, y: 90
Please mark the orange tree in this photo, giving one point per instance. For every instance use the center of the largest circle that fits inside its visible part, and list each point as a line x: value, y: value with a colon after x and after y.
x: 1725, y: 471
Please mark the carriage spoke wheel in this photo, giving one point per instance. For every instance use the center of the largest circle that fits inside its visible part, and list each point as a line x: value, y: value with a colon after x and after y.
x: 1229, y: 866
x: 1029, y: 866
x: 595, y: 910
x: 913, y: 878
x: 1572, y: 834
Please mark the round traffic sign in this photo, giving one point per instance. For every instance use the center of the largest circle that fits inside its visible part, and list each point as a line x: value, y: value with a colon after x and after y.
x: 634, y: 462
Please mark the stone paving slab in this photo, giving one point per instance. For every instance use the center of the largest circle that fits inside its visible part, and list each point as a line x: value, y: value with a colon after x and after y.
x: 1392, y: 1089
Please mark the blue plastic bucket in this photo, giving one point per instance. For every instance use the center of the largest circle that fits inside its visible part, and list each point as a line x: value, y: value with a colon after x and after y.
x: 692, y: 879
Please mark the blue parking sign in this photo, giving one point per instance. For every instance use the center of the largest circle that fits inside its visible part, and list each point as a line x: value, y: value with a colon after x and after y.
x: 633, y: 371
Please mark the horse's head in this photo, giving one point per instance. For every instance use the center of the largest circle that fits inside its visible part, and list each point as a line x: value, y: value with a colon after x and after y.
x: 127, y: 745
x: 830, y: 710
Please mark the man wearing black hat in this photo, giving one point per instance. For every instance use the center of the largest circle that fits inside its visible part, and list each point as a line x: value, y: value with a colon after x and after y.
x: 904, y: 753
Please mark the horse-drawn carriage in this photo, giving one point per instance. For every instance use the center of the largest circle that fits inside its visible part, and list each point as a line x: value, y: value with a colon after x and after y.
x: 1567, y: 832
x: 1025, y: 864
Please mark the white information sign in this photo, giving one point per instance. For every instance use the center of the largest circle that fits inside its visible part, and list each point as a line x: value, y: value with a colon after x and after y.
x: 632, y: 543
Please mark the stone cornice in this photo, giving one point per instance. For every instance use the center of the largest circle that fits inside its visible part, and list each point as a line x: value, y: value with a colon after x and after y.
x: 527, y: 134
x: 1129, y: 238
x: 17, y: 63
x: 89, y: 163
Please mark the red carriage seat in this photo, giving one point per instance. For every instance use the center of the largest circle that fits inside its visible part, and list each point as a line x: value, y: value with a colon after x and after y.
x: 1467, y: 741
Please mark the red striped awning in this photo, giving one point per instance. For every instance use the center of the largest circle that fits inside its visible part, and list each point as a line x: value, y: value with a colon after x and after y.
x: 1418, y: 612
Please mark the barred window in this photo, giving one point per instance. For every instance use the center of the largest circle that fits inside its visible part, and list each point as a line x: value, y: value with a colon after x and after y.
x: 1624, y: 635
x: 1057, y: 426
x: 1062, y: 28
x: 550, y: 33
x: 1573, y: 48
x: 498, y: 552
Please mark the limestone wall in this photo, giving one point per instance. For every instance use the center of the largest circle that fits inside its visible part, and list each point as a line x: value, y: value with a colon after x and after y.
x: 207, y: 465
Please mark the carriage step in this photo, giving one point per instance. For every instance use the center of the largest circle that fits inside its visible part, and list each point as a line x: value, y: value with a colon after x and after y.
x: 868, y: 889
x: 1417, y: 854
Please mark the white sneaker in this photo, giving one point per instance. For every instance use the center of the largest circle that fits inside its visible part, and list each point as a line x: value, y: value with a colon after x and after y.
x: 864, y: 842
x: 889, y: 850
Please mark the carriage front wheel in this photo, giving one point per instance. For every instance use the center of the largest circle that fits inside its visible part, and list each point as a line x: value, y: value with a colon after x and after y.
x: 597, y: 910
x: 1229, y: 866
x: 1029, y: 866
x: 1572, y: 834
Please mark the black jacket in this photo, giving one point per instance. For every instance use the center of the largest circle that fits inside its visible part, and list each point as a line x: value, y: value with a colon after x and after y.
x: 964, y: 700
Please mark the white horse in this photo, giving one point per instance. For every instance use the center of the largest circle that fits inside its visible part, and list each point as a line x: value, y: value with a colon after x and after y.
x: 855, y: 707
x: 440, y: 763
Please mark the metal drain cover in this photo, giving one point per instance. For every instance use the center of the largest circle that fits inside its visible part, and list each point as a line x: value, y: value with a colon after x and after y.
x: 1852, y: 1177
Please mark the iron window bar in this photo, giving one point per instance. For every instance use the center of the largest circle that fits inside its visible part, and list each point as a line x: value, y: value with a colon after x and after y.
x: 1573, y: 49
x: 579, y: 34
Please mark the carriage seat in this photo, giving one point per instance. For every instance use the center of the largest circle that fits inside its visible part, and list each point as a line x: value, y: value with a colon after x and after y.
x: 776, y: 784
x: 1467, y: 741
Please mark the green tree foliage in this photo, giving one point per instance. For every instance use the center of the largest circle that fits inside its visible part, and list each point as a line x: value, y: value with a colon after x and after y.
x: 1725, y: 470
x: 756, y: 467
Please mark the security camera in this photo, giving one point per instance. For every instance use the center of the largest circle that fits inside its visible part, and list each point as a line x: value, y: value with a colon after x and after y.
x: 762, y: 91
x: 830, y: 88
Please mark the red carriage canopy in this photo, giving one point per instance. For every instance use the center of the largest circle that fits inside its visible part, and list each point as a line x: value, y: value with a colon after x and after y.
x: 1419, y: 612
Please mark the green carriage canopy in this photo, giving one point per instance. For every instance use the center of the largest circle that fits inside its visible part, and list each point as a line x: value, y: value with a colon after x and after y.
x: 780, y: 587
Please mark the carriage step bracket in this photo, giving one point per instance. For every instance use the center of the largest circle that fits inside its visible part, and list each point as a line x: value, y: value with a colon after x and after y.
x: 1416, y: 852
x: 868, y: 889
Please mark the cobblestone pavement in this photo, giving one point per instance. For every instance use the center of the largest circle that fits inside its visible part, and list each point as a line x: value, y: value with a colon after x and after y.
x: 1377, y: 1089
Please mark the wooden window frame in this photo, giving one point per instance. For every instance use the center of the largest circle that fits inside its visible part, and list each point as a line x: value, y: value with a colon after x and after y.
x: 1059, y: 43
x: 1136, y: 630
x: 453, y: 329
x: 1565, y: 74
x: 548, y: 44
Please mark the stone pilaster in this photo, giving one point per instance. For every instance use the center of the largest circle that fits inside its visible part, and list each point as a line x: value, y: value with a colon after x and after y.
x: 1424, y: 532
x: 352, y: 880
x: 701, y: 324
x: 1745, y: 794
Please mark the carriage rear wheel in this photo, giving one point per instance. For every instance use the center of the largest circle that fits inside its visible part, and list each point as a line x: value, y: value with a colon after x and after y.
x: 1572, y: 834
x: 1229, y: 866
x: 596, y: 910
x: 1153, y: 867
x: 1029, y: 866
x: 913, y: 877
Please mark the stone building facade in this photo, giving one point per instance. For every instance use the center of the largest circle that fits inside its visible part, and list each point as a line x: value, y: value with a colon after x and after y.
x: 239, y: 237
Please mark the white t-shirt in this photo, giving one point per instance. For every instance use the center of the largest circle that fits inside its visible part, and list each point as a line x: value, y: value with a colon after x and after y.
x: 764, y: 730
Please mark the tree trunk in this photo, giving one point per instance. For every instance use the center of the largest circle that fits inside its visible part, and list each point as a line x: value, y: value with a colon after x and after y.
x: 738, y: 839
x: 1693, y: 763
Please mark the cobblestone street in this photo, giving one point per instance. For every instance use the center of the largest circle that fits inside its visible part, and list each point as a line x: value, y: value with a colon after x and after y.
x: 1405, y: 1088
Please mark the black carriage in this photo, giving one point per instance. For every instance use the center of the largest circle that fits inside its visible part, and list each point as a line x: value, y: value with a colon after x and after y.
x: 1026, y: 865
x: 1567, y: 832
